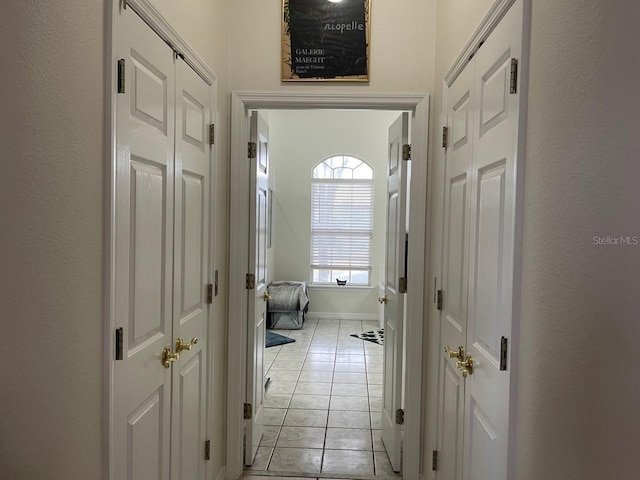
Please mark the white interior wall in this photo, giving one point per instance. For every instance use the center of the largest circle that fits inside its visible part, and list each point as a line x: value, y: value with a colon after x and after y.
x: 299, y: 140
x: 578, y: 299
x: 52, y: 193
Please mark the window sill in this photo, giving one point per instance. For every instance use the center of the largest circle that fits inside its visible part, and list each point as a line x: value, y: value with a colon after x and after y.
x: 336, y: 287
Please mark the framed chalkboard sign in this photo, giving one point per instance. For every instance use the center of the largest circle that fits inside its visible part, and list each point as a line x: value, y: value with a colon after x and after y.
x: 325, y: 40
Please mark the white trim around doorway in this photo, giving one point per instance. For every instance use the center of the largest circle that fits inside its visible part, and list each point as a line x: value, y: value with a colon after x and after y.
x: 241, y: 104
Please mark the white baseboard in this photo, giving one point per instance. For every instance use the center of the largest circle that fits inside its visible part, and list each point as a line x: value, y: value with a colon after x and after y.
x: 373, y: 317
x: 222, y: 475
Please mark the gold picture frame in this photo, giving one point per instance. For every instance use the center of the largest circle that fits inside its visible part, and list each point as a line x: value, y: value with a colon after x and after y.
x: 325, y: 40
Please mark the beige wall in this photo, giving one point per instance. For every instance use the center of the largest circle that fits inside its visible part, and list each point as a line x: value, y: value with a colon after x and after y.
x: 52, y: 191
x: 401, y: 47
x: 577, y: 396
x: 579, y: 388
x: 51, y: 240
x: 299, y: 140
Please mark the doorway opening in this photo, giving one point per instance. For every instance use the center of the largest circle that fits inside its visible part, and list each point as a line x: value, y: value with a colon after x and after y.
x: 326, y: 229
x: 330, y: 366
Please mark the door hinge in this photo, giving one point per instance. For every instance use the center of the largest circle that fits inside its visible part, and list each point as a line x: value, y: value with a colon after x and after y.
x: 439, y: 299
x: 121, y: 78
x: 503, y: 354
x: 445, y: 137
x: 248, y: 411
x: 402, y: 284
x: 434, y: 461
x: 212, y: 134
x: 400, y: 416
x: 406, y: 152
x: 207, y: 450
x: 119, y: 342
x: 513, y: 89
x: 210, y: 293
x: 250, y: 281
x: 252, y: 151
x: 215, y: 283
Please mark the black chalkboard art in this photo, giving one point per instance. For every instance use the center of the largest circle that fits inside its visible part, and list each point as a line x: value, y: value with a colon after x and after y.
x: 325, y: 40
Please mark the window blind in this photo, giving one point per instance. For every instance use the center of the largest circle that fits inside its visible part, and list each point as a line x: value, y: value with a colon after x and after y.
x: 341, y: 224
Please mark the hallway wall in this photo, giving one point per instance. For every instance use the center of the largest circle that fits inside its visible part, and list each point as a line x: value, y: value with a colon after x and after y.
x: 578, y: 389
x: 52, y: 110
x: 401, y: 58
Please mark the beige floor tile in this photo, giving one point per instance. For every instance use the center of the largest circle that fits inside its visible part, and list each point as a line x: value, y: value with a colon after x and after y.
x: 261, y: 461
x: 351, y: 378
x: 277, y: 400
x: 277, y: 386
x: 376, y: 420
x: 344, y: 389
x: 301, y: 437
x: 274, y: 416
x: 347, y: 462
x: 270, y: 436
x: 350, y: 367
x: 348, y: 439
x: 320, y: 357
x: 375, y: 404
x: 310, y: 402
x: 338, y: 419
x: 306, y: 418
x: 318, y: 366
x: 347, y: 358
x: 315, y: 376
x: 358, y: 404
x: 313, y: 388
x: 375, y: 390
x: 378, y: 446
x: 383, y: 466
x: 296, y: 460
x: 283, y: 375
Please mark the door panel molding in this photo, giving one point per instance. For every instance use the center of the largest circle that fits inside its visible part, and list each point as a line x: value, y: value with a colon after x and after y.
x: 241, y: 104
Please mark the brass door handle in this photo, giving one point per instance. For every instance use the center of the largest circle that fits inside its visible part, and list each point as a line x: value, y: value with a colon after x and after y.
x: 459, y: 353
x: 384, y: 299
x: 181, y: 345
x: 266, y: 297
x: 466, y: 366
x: 168, y: 357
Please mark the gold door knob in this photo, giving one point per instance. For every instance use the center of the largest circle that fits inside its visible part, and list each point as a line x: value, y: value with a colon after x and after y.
x: 384, y: 299
x: 459, y: 353
x: 466, y: 366
x: 266, y: 297
x: 181, y: 345
x: 168, y: 357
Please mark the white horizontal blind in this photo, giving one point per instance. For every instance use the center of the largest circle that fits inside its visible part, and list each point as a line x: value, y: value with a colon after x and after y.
x: 341, y: 224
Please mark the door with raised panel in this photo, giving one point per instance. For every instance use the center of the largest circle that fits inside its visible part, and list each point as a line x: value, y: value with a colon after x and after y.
x: 191, y: 239
x: 479, y: 242
x: 393, y: 300
x: 454, y: 283
x: 161, y: 236
x: 144, y: 252
x: 257, y: 311
x: 492, y: 247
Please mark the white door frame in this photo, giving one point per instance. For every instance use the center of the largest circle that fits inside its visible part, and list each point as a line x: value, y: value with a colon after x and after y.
x: 159, y: 24
x: 241, y: 103
x: 484, y: 29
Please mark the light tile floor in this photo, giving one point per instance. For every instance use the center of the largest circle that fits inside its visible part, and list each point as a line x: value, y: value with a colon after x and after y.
x: 322, y: 407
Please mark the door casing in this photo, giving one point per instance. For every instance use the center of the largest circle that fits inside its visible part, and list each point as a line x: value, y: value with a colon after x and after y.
x: 159, y: 24
x: 241, y: 104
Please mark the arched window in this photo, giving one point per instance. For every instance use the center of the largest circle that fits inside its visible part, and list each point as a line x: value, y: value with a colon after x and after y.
x: 341, y: 221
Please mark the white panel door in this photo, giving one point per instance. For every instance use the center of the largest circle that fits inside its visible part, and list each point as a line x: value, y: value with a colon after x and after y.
x: 190, y: 309
x: 491, y: 258
x: 143, y: 252
x: 393, y: 300
x: 257, y: 309
x: 454, y: 283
